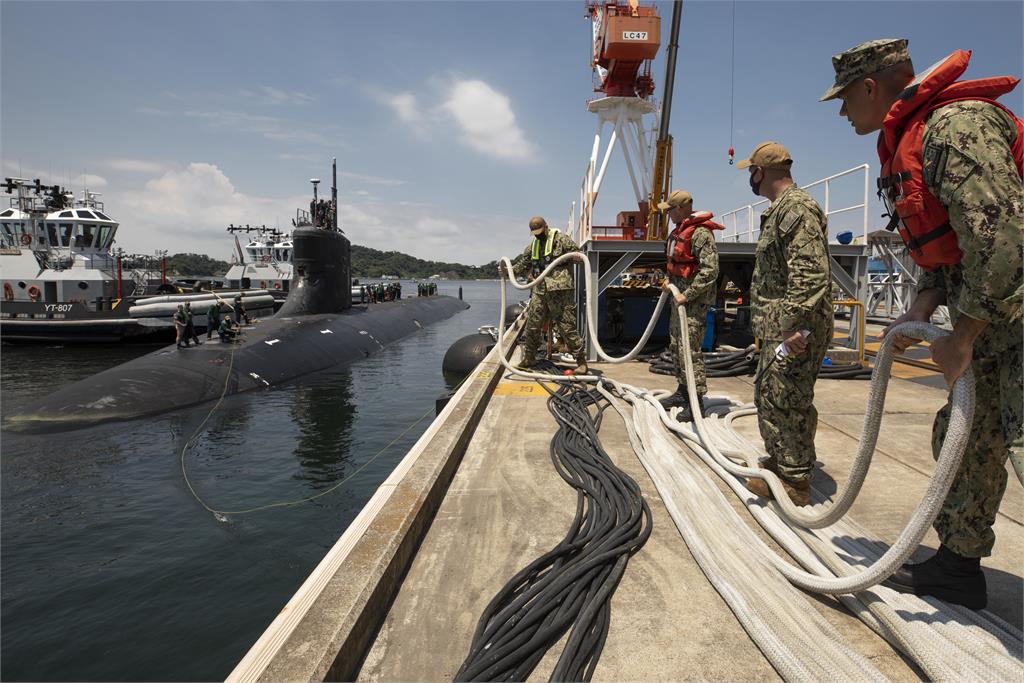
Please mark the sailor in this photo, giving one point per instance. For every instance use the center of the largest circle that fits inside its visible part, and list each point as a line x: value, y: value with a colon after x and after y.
x: 951, y: 176
x: 227, y: 330
x: 554, y: 298
x: 212, y: 319
x: 791, y: 304
x: 692, y: 264
x: 240, y: 313
x: 190, y: 328
x: 180, y: 322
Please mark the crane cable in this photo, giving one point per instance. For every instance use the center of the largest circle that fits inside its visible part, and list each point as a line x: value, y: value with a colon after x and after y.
x: 732, y: 86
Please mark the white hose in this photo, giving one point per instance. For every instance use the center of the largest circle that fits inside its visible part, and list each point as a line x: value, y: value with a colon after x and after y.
x: 506, y: 269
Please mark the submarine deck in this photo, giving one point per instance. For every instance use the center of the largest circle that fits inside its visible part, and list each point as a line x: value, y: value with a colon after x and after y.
x: 506, y: 505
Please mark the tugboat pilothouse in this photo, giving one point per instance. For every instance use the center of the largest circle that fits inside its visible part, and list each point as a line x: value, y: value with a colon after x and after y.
x: 264, y: 263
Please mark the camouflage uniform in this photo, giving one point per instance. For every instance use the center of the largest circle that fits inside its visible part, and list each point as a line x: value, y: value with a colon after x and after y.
x: 974, y: 176
x: 700, y: 294
x: 791, y: 290
x: 553, y: 300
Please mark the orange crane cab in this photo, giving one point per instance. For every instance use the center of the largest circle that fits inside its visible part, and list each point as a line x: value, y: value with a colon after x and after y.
x: 626, y: 38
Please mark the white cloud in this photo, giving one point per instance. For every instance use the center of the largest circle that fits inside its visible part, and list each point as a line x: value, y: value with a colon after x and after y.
x: 268, y: 126
x: 405, y: 106
x: 372, y: 180
x: 189, y: 210
x: 153, y: 110
x: 308, y: 158
x: 88, y: 180
x: 266, y: 94
x: 133, y: 165
x: 482, y: 115
x: 487, y: 121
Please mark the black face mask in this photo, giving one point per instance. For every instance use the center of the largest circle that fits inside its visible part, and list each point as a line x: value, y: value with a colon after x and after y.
x: 755, y: 186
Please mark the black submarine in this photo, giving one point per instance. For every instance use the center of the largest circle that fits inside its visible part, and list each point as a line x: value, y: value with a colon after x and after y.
x: 316, y: 328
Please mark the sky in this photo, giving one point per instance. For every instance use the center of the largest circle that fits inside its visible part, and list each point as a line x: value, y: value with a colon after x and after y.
x: 453, y: 122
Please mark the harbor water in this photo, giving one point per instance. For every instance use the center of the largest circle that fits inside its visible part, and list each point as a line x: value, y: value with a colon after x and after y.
x: 113, y: 570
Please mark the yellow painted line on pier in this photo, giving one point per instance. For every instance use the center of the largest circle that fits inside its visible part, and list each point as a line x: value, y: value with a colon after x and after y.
x: 523, y: 389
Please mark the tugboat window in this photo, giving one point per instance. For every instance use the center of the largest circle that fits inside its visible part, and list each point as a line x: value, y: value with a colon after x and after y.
x: 86, y: 214
x: 103, y: 216
x: 106, y: 234
x: 22, y: 285
x: 67, y: 229
x: 51, y: 232
x: 67, y: 214
x: 82, y: 284
x: 84, y: 237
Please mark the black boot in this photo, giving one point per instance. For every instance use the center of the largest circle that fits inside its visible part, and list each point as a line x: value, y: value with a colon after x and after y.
x: 676, y: 400
x: 946, y: 576
x: 685, y: 413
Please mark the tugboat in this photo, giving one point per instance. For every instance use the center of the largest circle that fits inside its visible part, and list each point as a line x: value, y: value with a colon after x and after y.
x: 63, y: 281
x: 266, y: 261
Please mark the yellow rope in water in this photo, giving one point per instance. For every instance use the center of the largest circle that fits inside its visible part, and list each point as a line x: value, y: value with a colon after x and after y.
x: 190, y: 441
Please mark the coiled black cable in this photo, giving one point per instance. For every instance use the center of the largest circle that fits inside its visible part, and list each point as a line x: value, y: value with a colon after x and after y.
x: 736, y: 363
x: 571, y: 584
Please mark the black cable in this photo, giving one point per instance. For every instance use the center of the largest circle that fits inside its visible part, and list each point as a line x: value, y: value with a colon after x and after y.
x: 744, y: 362
x: 570, y: 586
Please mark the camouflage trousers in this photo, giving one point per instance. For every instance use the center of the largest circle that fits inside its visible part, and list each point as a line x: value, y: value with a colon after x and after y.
x: 786, y: 416
x: 559, y: 308
x: 964, y: 524
x: 696, y: 320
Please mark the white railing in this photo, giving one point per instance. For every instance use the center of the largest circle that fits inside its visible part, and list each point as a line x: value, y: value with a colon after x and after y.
x: 581, y: 222
x: 744, y: 225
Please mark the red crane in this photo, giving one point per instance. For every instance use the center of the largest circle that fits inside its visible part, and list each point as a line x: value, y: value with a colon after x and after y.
x: 626, y: 40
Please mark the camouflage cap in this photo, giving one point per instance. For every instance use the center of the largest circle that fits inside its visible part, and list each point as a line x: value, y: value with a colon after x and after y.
x: 767, y: 155
x: 676, y: 199
x: 537, y: 222
x: 865, y: 59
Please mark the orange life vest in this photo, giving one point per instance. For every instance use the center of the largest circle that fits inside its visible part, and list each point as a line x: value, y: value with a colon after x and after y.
x: 922, y: 221
x: 679, y: 247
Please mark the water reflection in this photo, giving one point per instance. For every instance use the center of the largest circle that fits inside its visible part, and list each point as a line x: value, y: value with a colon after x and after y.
x: 324, y: 413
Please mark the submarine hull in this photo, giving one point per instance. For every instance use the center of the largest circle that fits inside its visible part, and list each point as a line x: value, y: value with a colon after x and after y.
x: 277, y: 350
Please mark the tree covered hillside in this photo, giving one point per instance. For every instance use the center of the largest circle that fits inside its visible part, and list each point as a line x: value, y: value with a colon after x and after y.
x: 366, y: 262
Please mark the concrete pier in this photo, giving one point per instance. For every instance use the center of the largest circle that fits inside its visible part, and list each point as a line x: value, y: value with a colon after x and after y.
x: 506, y: 505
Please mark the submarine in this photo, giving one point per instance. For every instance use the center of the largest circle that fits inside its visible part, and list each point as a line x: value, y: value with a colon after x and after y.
x: 316, y: 328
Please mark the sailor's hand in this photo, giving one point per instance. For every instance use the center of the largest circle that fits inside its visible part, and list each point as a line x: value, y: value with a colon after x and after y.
x: 920, y: 311
x: 899, y: 341
x: 795, y: 341
x: 952, y: 357
x: 680, y: 299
